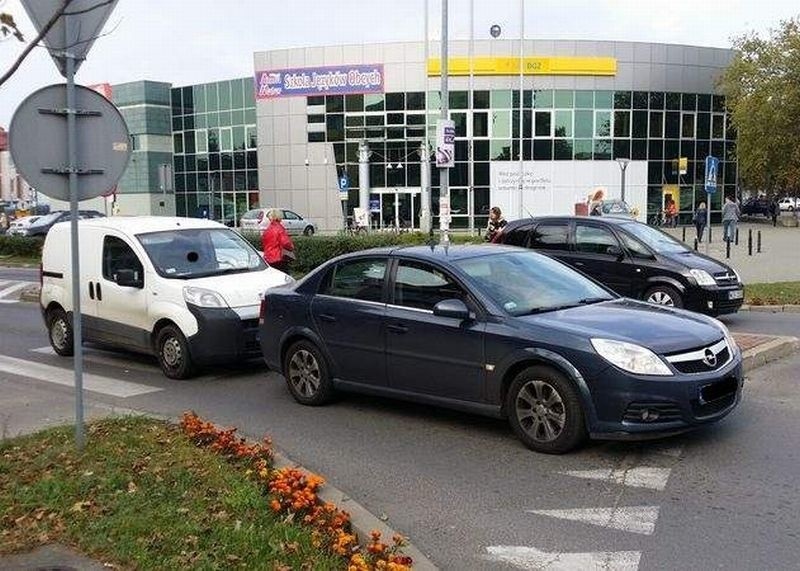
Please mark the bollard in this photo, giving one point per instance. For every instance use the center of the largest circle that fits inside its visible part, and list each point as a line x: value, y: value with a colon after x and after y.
x: 758, y: 249
x: 684, y: 233
x: 709, y: 233
x: 750, y: 242
x: 737, y: 237
x: 695, y: 244
x: 728, y: 249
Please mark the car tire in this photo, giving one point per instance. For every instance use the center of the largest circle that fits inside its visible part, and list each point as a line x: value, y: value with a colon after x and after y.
x: 59, y: 331
x: 307, y: 374
x: 791, y: 209
x: 309, y: 231
x: 663, y: 295
x: 172, y: 351
x: 545, y: 411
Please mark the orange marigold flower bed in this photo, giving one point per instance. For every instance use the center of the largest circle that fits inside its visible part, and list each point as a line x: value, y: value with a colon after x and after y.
x: 294, y: 493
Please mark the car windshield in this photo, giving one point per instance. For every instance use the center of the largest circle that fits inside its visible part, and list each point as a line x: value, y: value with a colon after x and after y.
x: 658, y: 241
x: 523, y: 283
x: 200, y: 252
x: 615, y: 207
x: 48, y: 218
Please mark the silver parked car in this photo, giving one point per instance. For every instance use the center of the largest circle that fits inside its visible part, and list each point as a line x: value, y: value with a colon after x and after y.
x: 295, y: 224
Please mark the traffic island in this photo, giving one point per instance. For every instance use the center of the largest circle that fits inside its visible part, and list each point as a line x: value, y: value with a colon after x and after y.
x: 758, y: 350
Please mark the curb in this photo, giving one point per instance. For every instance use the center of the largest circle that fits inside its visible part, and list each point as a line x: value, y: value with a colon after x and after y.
x: 768, y: 352
x: 362, y: 520
x: 772, y: 308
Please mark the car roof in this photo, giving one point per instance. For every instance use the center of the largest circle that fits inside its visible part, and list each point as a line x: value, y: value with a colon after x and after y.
x: 145, y: 224
x: 605, y: 219
x: 438, y: 252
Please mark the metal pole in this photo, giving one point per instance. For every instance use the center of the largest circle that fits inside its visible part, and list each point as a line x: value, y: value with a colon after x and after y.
x: 444, y: 192
x: 750, y: 242
x: 624, y: 167
x: 520, y: 209
x: 758, y: 242
x: 72, y: 157
x: 471, y: 150
x: 708, y: 220
x: 426, y: 220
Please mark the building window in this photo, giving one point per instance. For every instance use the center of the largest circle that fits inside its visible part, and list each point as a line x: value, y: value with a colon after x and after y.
x: 201, y: 141
x: 501, y: 124
x: 563, y: 125
x: 622, y: 123
x: 656, y: 124
x: 543, y: 126
x: 718, y: 126
x: 177, y: 143
x: 226, y: 139
x: 501, y: 99
x: 687, y: 125
x: 602, y: 125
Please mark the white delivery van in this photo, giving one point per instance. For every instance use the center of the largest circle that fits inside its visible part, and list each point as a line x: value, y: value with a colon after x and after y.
x: 186, y: 290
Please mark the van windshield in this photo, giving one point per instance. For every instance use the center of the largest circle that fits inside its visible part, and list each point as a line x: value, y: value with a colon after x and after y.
x: 200, y: 252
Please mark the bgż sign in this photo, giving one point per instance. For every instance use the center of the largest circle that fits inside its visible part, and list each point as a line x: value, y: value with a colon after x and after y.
x: 335, y: 80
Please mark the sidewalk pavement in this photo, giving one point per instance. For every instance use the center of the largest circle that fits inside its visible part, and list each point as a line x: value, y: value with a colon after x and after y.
x: 777, y: 262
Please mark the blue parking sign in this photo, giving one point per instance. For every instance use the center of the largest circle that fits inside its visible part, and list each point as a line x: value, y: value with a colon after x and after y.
x: 712, y: 169
x: 344, y: 182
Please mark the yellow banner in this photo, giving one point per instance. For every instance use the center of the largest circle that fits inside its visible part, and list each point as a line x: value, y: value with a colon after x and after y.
x: 556, y: 65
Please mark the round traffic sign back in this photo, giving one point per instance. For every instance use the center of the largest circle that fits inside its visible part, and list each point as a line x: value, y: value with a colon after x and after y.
x: 38, y: 142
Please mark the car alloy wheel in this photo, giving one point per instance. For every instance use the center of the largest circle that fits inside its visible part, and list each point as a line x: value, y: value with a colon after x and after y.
x: 304, y: 373
x: 661, y: 298
x: 540, y: 411
x: 663, y: 295
x: 307, y: 376
x: 309, y: 231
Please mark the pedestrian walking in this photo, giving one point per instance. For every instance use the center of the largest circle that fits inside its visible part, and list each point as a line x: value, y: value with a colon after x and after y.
x: 278, y: 247
x: 495, y: 226
x: 730, y: 216
x: 774, y: 211
x: 700, y: 219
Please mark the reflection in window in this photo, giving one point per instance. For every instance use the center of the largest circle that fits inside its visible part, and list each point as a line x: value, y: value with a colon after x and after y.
x: 422, y: 286
x: 687, y: 126
x: 563, y: 126
x: 501, y: 99
x: 501, y: 124
x: 602, y: 124
x: 543, y: 124
x: 622, y: 123
x: 358, y: 279
x: 374, y: 102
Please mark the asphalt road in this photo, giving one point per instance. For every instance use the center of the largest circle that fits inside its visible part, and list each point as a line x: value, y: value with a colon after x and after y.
x: 462, y: 487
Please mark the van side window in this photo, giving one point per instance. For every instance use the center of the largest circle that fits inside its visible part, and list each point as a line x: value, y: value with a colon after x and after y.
x: 553, y: 236
x: 118, y: 255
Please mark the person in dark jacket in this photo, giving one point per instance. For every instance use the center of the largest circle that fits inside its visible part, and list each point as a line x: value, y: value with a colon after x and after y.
x: 774, y: 211
x: 700, y: 219
x: 278, y: 247
x: 495, y: 226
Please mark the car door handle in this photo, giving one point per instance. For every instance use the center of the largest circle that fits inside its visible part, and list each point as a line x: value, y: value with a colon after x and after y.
x: 397, y: 328
x: 99, y: 292
x: 91, y: 290
x: 579, y: 264
x: 327, y: 317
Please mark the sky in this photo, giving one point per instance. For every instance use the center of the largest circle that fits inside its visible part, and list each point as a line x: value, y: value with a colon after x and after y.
x: 196, y: 41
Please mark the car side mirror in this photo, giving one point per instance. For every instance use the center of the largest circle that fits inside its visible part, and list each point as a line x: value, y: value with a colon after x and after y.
x: 129, y: 278
x: 453, y: 308
x: 615, y: 251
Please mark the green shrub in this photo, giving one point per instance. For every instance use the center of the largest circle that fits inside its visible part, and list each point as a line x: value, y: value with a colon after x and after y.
x: 313, y: 251
x: 21, y: 246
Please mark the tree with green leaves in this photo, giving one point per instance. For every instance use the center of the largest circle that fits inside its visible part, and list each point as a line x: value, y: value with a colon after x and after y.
x: 762, y: 90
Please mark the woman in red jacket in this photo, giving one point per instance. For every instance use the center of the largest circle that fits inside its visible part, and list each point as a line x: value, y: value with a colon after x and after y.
x: 276, y: 242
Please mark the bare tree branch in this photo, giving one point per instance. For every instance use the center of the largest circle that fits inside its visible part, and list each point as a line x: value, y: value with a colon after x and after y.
x: 90, y: 8
x: 86, y: 41
x: 45, y: 29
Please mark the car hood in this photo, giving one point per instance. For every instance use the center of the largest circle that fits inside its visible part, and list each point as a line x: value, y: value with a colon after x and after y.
x: 241, y: 290
x: 661, y: 329
x: 695, y: 260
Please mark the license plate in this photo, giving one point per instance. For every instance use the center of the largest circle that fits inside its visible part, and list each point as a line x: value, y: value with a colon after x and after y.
x: 738, y: 294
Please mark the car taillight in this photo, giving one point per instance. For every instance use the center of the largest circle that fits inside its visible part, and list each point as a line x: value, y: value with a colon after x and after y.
x: 262, y: 311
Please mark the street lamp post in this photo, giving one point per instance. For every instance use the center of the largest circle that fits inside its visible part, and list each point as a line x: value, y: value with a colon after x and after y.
x: 623, y: 166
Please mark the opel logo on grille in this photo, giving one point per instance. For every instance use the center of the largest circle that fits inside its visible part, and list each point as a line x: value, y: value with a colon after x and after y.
x: 710, y: 358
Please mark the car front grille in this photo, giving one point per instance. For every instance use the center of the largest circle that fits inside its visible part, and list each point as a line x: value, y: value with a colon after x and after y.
x: 703, y: 359
x: 715, y: 398
x: 725, y: 279
x: 651, y: 412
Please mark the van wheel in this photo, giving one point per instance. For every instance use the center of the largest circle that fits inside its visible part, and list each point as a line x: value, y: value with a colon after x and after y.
x: 545, y: 411
x: 173, y: 353
x: 59, y: 330
x: 664, y: 295
x: 307, y: 374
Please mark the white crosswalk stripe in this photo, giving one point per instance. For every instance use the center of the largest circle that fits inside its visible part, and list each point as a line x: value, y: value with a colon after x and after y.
x: 633, y: 519
x: 103, y: 359
x: 531, y: 558
x: 10, y: 290
x: 650, y: 477
x: 64, y: 377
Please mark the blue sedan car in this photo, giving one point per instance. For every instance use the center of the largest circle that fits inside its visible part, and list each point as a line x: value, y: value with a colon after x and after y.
x: 504, y: 332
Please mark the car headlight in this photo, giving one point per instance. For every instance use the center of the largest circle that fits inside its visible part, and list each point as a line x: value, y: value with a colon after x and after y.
x: 729, y: 338
x: 702, y: 277
x: 629, y: 357
x: 202, y: 297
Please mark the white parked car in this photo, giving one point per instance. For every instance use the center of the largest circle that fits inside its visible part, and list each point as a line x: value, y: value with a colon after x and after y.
x: 295, y: 224
x: 186, y: 290
x: 19, y: 227
x: 787, y: 203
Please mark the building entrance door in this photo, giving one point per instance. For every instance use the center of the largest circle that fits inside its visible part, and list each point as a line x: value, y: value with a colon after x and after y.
x: 399, y: 209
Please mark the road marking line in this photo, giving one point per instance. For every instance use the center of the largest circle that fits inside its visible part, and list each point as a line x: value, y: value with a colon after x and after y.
x: 60, y: 376
x: 11, y: 289
x: 633, y: 519
x: 638, y: 477
x: 105, y: 360
x: 531, y: 558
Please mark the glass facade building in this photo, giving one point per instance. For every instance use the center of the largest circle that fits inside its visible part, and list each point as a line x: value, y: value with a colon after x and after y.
x: 658, y: 106
x: 214, y: 143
